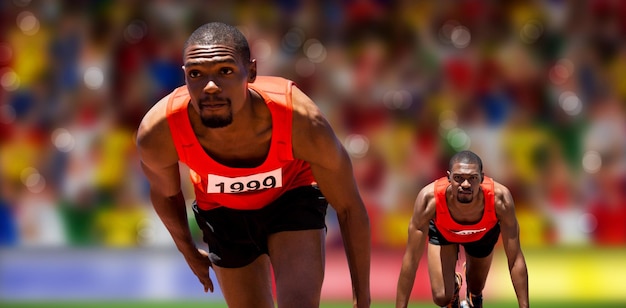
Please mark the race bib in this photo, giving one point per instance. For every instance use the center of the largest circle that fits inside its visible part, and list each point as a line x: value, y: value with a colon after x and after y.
x: 227, y: 185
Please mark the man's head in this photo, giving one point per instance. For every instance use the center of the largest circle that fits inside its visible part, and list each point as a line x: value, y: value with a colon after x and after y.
x: 214, y: 33
x: 465, y: 174
x: 218, y: 68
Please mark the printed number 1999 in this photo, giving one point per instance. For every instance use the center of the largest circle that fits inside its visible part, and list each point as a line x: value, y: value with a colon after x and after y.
x: 220, y: 184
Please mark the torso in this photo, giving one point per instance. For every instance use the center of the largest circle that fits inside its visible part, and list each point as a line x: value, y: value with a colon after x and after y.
x: 245, y: 148
x: 247, y: 164
x: 463, y: 223
x: 466, y: 214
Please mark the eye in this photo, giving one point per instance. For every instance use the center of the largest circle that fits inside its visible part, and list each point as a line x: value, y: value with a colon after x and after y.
x: 226, y: 71
x: 194, y: 73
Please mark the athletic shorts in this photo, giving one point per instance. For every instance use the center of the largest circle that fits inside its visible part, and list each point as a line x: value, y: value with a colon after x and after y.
x: 237, y: 237
x: 478, y: 249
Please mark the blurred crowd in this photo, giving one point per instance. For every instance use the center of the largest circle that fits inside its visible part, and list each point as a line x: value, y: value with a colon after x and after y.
x: 534, y: 87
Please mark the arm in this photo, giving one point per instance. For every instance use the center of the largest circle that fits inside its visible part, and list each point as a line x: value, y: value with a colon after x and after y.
x: 159, y: 162
x: 505, y: 210
x: 423, y: 212
x: 315, y: 142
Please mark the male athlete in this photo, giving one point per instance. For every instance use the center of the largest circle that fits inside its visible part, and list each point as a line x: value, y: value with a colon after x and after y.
x: 265, y: 164
x: 467, y: 209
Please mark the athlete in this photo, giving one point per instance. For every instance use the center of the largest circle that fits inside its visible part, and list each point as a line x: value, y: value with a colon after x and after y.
x: 264, y: 163
x: 468, y: 209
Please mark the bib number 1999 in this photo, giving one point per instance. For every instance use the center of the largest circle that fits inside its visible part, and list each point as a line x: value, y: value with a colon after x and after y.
x: 228, y: 185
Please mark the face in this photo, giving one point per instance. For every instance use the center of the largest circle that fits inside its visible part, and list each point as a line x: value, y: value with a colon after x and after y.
x: 217, y: 80
x: 465, y: 180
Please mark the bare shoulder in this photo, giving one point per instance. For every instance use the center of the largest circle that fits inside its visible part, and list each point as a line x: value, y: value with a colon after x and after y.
x: 312, y: 133
x: 502, y: 192
x: 427, y: 192
x: 154, y: 139
x: 425, y: 204
x: 306, y: 114
x: 154, y: 122
x: 503, y: 198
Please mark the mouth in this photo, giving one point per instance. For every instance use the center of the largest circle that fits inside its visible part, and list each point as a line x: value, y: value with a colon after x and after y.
x: 212, y: 104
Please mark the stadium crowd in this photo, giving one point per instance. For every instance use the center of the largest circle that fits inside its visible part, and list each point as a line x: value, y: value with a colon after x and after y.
x: 536, y: 88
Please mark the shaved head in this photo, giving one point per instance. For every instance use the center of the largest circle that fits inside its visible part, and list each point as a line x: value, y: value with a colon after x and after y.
x: 467, y: 157
x: 215, y: 33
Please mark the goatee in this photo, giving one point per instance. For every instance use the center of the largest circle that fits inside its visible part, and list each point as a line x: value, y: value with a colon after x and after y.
x: 464, y: 200
x: 217, y: 121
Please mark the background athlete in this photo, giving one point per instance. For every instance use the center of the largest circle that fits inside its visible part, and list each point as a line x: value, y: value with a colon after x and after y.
x: 259, y: 153
x: 467, y: 209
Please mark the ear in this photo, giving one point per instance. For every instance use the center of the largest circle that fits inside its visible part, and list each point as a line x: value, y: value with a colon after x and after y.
x: 482, y: 177
x: 252, y: 71
x: 448, y: 172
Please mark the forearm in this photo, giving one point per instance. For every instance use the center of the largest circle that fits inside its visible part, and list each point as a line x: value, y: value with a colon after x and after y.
x: 519, y: 277
x: 355, y: 231
x: 405, y: 285
x: 173, y: 213
x: 410, y: 263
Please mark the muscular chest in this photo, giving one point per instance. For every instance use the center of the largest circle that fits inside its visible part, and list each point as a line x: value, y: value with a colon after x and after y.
x: 467, y: 217
x: 246, y: 150
x: 466, y: 214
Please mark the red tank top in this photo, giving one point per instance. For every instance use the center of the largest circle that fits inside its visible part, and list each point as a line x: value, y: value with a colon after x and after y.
x: 460, y: 233
x: 216, y: 185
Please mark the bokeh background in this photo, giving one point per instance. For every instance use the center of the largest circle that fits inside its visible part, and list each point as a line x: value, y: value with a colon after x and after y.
x: 536, y: 88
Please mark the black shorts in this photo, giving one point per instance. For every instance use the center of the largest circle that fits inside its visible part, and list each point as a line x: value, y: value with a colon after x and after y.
x: 237, y: 237
x: 477, y: 249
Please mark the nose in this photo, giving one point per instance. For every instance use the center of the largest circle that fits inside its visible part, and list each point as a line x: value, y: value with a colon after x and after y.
x: 211, y: 87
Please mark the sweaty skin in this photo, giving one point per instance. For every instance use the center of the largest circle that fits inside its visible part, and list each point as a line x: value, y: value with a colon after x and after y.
x: 466, y: 204
x: 233, y: 125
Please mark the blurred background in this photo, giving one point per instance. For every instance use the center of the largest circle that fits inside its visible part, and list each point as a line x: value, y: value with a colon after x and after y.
x: 536, y: 88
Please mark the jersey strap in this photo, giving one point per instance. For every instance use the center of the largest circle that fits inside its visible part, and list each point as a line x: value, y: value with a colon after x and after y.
x: 176, y: 113
x: 464, y: 233
x: 276, y: 92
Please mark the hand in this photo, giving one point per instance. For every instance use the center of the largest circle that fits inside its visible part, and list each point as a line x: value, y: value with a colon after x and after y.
x: 199, y: 263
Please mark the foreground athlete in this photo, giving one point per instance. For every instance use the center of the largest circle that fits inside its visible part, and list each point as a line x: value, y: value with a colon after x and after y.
x: 467, y: 209
x: 265, y: 164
